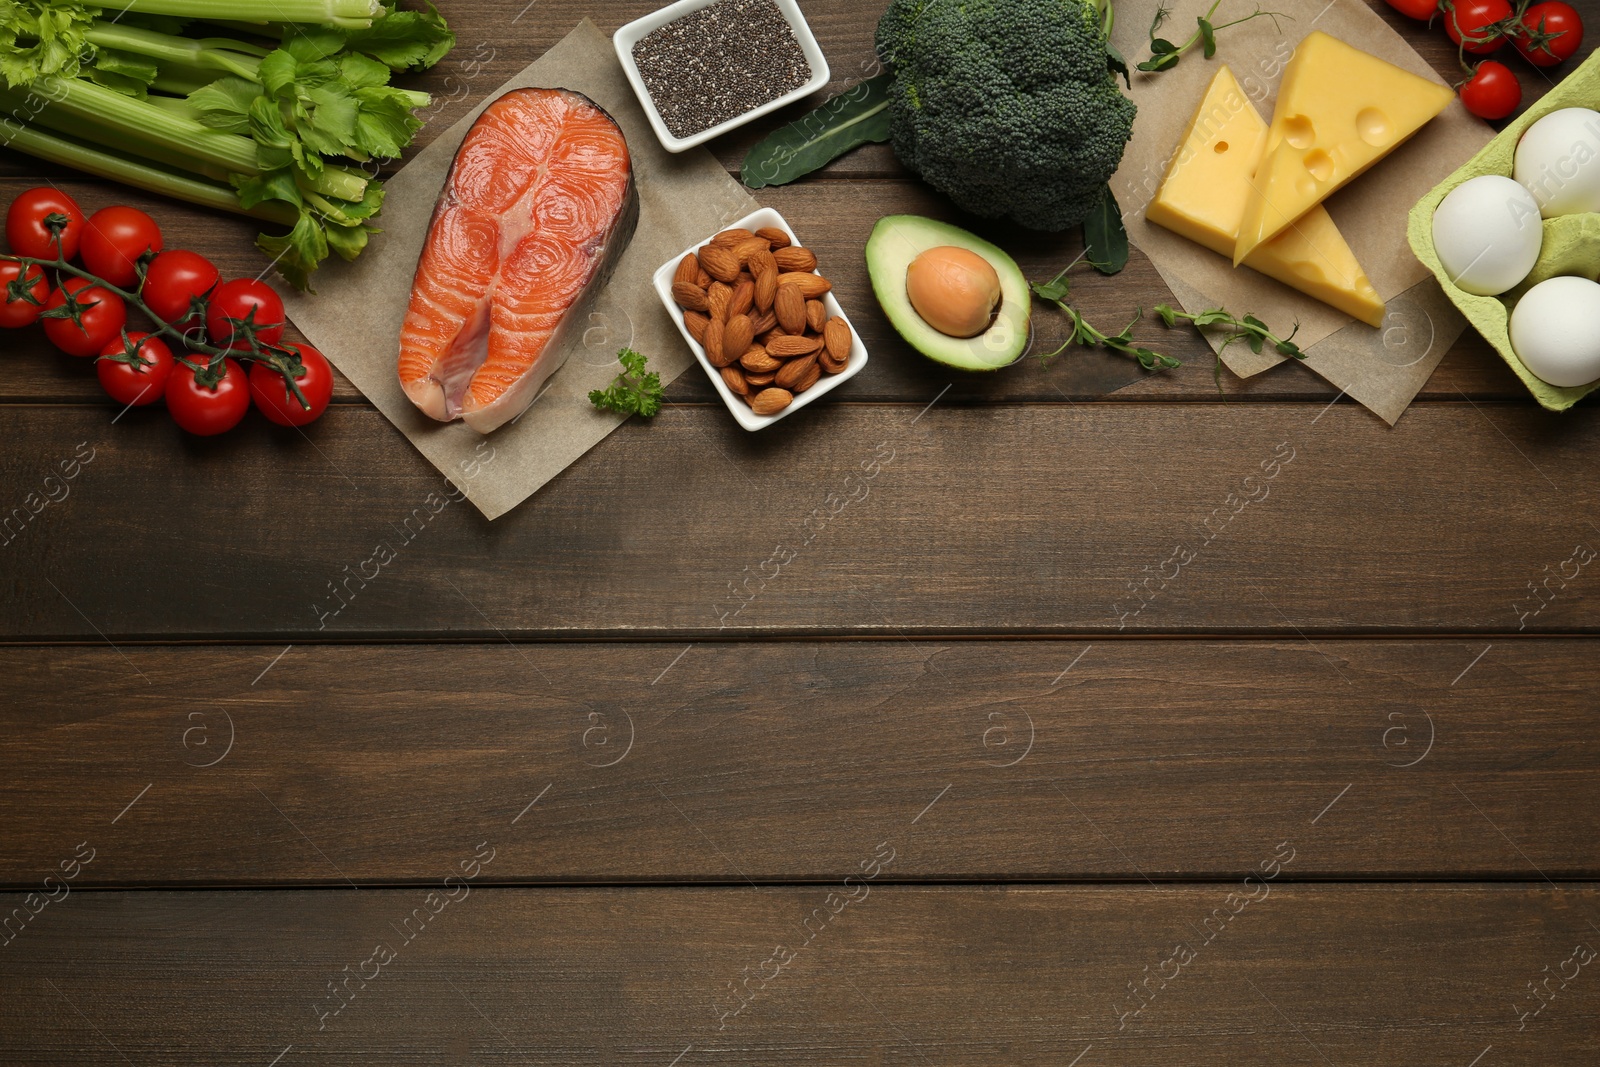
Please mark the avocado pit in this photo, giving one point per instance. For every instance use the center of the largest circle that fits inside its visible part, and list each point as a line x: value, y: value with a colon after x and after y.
x: 955, y: 290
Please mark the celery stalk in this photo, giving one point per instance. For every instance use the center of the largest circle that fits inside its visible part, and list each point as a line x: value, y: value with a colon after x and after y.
x: 154, y: 125
x: 212, y: 53
x: 121, y: 142
x: 348, y: 14
x: 97, y: 103
x: 137, y: 174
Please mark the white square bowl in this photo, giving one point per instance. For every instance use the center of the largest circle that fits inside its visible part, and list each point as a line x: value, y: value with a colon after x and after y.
x: 741, y: 411
x: 635, y: 31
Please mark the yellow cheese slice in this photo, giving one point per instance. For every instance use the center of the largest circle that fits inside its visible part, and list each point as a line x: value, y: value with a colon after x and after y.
x: 1206, y: 189
x: 1339, y: 111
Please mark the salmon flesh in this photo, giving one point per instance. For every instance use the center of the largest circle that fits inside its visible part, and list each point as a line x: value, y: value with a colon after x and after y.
x: 538, y: 208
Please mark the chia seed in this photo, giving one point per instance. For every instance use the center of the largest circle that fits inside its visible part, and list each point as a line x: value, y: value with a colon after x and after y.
x: 717, y: 63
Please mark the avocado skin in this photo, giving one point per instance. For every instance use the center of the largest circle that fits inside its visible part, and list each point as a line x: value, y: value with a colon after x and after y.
x: 896, y: 240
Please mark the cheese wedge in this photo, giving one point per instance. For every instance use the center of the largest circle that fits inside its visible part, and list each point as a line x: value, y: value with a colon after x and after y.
x: 1339, y: 111
x: 1204, y: 194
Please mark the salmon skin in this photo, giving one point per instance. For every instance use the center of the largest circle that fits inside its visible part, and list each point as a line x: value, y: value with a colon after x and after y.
x: 538, y: 208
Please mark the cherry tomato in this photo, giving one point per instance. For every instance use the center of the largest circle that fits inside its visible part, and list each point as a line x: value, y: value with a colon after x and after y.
x: 203, y: 410
x: 1475, y: 25
x: 1417, y: 9
x: 27, y: 232
x: 271, y: 392
x: 244, y: 300
x: 20, y: 312
x: 113, y: 240
x: 101, y: 316
x: 134, y: 385
x: 174, y: 280
x: 1492, y: 92
x: 1547, y: 33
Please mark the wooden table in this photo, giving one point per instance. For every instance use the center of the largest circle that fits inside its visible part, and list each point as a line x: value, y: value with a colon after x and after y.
x: 593, y: 784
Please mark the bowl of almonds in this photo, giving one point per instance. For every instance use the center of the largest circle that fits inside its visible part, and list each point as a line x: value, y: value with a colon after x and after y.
x: 760, y: 319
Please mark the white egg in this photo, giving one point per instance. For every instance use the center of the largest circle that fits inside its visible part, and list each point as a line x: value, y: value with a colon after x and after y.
x: 1558, y: 159
x: 1487, y: 232
x: 1555, y: 331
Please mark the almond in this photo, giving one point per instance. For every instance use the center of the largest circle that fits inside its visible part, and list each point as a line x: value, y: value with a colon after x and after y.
x: 816, y: 316
x: 690, y: 297
x: 766, y: 288
x: 789, y: 304
x: 771, y: 401
x: 718, y: 297
x: 721, y: 263
x: 811, y: 285
x: 765, y: 322
x: 795, y: 371
x: 759, y: 380
x: 747, y: 248
x: 729, y: 238
x: 836, y: 335
x: 688, y: 269
x: 738, y: 334
x: 695, y: 323
x: 761, y: 261
x: 787, y: 347
x: 757, y: 359
x: 775, y: 236
x: 809, y: 378
x: 833, y: 366
x: 713, y: 344
x: 795, y: 259
x: 733, y: 377
x: 744, y: 297
x: 702, y: 279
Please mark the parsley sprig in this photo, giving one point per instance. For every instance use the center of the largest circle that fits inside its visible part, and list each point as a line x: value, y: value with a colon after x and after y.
x: 633, y: 392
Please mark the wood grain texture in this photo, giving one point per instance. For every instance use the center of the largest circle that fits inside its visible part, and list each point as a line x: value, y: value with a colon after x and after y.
x: 869, y: 520
x: 260, y: 765
x: 983, y: 975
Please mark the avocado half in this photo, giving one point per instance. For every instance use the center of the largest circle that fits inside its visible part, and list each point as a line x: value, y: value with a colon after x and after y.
x: 897, y: 240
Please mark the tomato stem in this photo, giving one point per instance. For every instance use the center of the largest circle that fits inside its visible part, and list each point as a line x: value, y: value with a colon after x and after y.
x: 282, y: 360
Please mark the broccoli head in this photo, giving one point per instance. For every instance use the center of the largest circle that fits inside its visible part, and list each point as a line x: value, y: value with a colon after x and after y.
x: 1008, y: 107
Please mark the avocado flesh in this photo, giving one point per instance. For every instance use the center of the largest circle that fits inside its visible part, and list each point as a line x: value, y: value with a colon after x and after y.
x: 897, y: 240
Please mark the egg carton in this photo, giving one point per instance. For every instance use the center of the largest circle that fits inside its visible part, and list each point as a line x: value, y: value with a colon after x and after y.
x: 1571, y: 242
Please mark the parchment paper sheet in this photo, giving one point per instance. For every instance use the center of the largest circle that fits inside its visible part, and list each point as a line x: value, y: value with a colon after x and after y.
x: 1381, y: 368
x: 355, y: 316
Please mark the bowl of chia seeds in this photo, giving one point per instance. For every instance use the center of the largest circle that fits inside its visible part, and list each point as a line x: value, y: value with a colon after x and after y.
x: 703, y: 67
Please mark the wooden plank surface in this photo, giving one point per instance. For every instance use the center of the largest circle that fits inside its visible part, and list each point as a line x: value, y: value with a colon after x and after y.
x: 265, y: 765
x: 1413, y: 707
x: 881, y: 520
x: 1015, y: 975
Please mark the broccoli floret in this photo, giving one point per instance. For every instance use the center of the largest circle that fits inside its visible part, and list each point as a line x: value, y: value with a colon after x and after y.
x: 1006, y: 106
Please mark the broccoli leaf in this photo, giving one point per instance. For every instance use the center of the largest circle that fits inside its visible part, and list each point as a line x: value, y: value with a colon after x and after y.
x: 1105, y: 240
x: 633, y: 392
x: 1116, y: 64
x: 854, y: 117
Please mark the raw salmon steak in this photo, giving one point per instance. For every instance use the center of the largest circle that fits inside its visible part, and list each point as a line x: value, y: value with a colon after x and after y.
x: 538, y: 208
